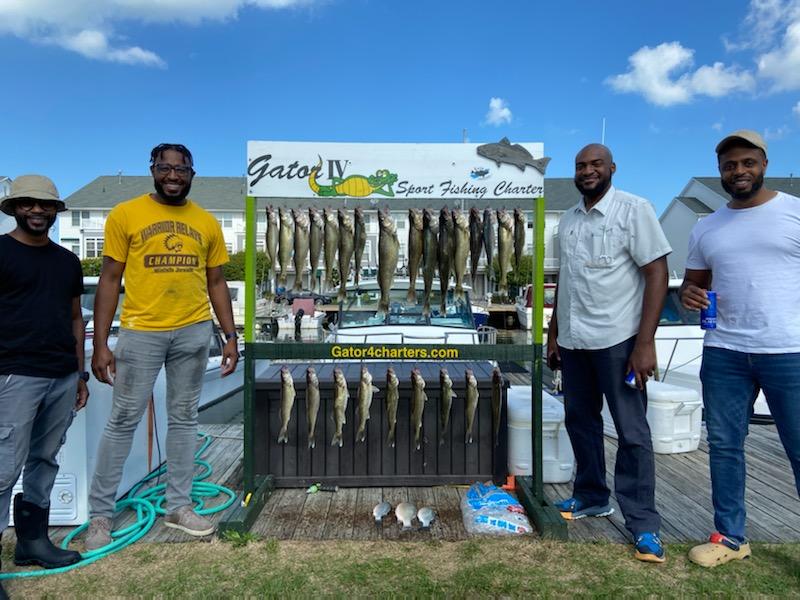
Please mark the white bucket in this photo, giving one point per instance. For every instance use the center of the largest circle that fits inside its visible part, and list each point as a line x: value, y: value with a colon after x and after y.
x: 557, y: 458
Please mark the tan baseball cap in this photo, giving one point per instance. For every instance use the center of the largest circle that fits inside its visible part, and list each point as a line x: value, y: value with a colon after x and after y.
x: 747, y: 135
x: 37, y: 187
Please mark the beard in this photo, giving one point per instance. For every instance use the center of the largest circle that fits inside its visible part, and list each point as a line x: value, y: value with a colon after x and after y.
x: 173, y: 198
x: 22, y: 223
x: 595, y: 191
x: 744, y: 196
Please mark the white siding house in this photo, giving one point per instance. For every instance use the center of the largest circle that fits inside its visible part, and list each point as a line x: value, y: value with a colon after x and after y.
x: 82, y: 224
x: 700, y: 197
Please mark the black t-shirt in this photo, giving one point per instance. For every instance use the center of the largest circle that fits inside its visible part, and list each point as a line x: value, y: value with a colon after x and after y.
x: 37, y: 287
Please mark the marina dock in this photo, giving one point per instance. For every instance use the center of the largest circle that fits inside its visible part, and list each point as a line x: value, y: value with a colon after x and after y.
x: 683, y: 497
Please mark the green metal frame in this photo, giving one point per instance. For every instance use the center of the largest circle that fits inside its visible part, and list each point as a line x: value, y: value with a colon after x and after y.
x: 258, y: 486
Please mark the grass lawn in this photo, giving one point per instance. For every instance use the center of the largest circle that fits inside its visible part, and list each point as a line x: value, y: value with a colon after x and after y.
x: 475, y: 568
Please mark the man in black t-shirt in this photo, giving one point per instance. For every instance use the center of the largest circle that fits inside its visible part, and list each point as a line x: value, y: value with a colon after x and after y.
x: 42, y: 379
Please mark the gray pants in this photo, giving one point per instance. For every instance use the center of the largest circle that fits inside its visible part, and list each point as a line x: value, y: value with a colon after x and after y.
x: 35, y: 413
x: 588, y: 375
x: 139, y: 356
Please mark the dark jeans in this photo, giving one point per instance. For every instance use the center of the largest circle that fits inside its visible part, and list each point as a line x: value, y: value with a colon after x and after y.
x: 588, y: 375
x: 731, y: 381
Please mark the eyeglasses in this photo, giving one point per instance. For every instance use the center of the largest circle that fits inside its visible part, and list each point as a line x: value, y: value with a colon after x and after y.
x: 45, y: 205
x: 180, y: 170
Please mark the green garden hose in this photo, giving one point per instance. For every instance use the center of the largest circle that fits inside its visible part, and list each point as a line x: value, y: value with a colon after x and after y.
x: 147, y: 506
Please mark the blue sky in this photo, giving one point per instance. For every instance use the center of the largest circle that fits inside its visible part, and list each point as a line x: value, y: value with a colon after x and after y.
x: 90, y: 86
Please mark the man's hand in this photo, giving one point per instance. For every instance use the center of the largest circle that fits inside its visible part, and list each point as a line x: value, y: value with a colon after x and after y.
x: 83, y: 394
x: 642, y: 362
x: 694, y: 297
x: 230, y: 356
x: 104, y: 365
x: 553, y: 355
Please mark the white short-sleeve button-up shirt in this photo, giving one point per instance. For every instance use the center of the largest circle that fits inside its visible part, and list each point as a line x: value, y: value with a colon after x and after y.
x: 600, y: 287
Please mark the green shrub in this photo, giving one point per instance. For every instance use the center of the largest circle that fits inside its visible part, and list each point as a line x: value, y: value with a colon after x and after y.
x: 91, y: 266
x: 234, y: 270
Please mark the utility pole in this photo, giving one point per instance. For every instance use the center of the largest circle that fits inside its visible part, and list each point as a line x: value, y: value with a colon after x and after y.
x: 603, y: 134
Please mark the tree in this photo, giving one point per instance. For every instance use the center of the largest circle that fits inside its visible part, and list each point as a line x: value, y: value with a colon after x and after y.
x: 516, y: 277
x: 234, y: 270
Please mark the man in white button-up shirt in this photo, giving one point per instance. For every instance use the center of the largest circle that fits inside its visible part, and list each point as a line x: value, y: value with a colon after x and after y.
x: 611, y: 288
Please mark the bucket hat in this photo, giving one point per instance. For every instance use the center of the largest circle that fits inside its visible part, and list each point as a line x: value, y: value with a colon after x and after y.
x: 36, y: 187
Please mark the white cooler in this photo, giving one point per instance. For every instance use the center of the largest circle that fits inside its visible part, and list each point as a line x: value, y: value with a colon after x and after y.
x: 674, y: 414
x: 557, y: 458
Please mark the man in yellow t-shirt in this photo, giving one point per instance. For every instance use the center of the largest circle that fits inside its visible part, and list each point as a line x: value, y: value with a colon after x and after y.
x: 171, y: 252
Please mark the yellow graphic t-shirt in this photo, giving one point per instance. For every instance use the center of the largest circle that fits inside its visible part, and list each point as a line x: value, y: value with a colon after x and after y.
x: 166, y: 250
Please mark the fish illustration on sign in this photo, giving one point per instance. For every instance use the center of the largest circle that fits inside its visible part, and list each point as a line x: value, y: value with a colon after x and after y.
x: 512, y: 154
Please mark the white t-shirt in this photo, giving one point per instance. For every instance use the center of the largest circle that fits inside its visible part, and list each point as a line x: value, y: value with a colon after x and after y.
x: 754, y: 258
x: 600, y: 287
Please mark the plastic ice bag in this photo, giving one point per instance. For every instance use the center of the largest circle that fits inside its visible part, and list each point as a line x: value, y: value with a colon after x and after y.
x: 486, y: 509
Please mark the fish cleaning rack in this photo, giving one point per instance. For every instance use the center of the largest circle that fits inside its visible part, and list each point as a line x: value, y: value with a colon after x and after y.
x: 267, y: 182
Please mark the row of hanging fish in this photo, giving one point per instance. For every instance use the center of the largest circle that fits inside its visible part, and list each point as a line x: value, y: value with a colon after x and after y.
x: 436, y: 244
x: 404, y: 513
x: 366, y: 391
x: 443, y: 245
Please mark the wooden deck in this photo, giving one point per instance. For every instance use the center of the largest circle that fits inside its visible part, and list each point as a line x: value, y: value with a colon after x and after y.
x: 683, y: 498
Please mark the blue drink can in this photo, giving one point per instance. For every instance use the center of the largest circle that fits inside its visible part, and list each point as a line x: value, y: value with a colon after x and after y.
x: 708, y: 316
x: 630, y: 379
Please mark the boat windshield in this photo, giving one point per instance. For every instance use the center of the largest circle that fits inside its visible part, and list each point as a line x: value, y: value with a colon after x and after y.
x: 360, y: 309
x: 90, y: 291
x: 674, y: 313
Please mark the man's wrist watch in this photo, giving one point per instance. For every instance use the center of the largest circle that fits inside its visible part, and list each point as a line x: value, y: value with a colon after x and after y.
x: 231, y: 336
x: 85, y: 376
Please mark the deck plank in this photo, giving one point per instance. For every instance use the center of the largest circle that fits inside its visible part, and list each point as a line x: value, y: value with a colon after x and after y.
x: 683, y: 498
x: 341, y: 514
x: 312, y: 520
x: 363, y: 521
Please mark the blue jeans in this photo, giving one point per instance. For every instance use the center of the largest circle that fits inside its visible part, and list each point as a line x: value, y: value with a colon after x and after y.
x: 731, y: 381
x: 139, y: 356
x: 35, y: 413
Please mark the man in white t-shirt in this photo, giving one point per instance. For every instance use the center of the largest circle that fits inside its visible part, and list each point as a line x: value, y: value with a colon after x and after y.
x: 611, y: 287
x: 749, y: 253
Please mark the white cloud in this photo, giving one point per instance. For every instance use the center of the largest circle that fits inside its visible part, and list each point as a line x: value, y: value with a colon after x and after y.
x: 89, y: 27
x: 769, y: 33
x: 764, y: 22
x: 717, y: 126
x: 782, y: 65
x: 654, y: 73
x: 499, y: 112
x: 796, y: 109
x: 778, y: 133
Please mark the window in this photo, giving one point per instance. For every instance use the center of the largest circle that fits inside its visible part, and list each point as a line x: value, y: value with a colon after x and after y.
x: 229, y: 247
x: 72, y: 245
x: 227, y: 220
x: 94, y: 248
x: 78, y: 216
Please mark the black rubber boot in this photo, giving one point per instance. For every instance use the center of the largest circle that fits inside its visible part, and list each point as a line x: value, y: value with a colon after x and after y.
x: 3, y: 595
x: 33, y: 545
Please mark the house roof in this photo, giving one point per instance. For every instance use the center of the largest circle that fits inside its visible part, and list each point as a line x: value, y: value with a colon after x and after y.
x: 228, y: 193
x: 695, y: 205
x: 212, y: 193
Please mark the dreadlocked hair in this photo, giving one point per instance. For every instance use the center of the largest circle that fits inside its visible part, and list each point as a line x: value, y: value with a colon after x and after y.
x: 161, y: 148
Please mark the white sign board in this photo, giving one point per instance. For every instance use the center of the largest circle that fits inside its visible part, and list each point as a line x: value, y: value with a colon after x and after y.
x: 316, y: 169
